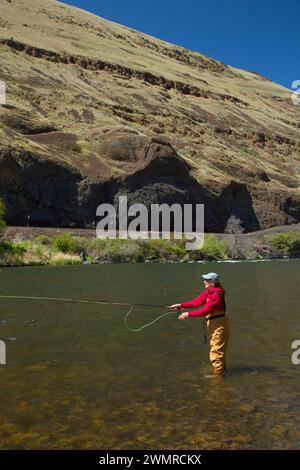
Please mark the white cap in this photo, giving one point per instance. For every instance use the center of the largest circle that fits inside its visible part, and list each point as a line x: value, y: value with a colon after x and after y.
x: 211, y: 276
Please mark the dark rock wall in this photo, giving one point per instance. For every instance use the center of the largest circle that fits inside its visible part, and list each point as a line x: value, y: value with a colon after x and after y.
x: 56, y: 194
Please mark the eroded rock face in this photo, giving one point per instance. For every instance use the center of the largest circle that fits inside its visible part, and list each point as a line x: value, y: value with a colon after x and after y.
x: 41, y: 188
x: 152, y: 172
x: 54, y: 193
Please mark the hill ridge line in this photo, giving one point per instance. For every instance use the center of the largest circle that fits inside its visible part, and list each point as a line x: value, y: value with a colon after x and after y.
x: 97, y: 64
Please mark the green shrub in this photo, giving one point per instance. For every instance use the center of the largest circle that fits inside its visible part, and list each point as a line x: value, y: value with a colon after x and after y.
x: 7, y: 246
x: 42, y: 252
x: 2, y: 223
x: 214, y: 248
x: 195, y: 255
x: 116, y: 251
x: 119, y: 250
x: 162, y: 249
x: 43, y: 239
x: 248, y: 151
x: 288, y: 243
x: 68, y: 244
x: 81, y: 147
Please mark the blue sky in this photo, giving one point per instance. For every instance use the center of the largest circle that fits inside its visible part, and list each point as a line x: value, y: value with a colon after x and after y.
x: 256, y: 35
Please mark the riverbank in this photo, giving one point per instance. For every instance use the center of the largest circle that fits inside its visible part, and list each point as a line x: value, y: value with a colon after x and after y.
x: 27, y: 246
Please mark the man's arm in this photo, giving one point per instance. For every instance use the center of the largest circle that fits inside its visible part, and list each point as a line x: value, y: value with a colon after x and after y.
x: 200, y: 300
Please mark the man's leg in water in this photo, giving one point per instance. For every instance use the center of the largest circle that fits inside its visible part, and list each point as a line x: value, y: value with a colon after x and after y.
x: 218, y: 331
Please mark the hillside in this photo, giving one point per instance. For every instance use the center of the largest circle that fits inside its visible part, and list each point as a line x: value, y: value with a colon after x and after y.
x: 95, y: 109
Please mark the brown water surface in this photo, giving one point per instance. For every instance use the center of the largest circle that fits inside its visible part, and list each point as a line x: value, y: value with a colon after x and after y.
x: 77, y: 378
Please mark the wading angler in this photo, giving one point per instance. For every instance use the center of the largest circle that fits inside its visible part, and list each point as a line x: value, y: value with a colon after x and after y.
x: 137, y: 222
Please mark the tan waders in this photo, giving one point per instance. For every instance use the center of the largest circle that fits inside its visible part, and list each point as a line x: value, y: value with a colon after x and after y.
x: 218, y: 332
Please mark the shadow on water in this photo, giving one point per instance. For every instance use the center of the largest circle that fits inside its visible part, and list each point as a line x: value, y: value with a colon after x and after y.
x: 235, y: 371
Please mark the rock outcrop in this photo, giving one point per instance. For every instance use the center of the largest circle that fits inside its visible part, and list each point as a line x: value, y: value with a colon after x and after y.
x: 101, y: 110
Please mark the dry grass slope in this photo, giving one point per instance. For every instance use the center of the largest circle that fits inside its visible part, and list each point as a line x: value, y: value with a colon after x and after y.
x: 80, y: 87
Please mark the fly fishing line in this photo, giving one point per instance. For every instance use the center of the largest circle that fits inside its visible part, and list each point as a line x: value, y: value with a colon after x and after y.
x: 101, y: 302
x: 135, y: 330
x: 106, y: 302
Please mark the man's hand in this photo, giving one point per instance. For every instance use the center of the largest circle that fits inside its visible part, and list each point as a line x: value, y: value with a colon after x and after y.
x: 174, y: 307
x: 183, y: 315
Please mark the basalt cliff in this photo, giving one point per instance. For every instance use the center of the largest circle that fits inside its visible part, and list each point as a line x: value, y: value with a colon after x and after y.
x: 95, y: 110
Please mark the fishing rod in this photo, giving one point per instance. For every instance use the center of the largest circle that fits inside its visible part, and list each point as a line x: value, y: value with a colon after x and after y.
x: 106, y: 302
x: 65, y: 299
x: 101, y: 302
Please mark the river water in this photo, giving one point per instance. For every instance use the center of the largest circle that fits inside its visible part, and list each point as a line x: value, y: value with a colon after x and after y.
x: 77, y: 378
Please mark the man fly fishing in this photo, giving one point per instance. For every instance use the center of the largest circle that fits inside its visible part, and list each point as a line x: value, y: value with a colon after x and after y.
x: 213, y: 299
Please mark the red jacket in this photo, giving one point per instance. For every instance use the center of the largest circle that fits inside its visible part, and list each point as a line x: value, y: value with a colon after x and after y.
x: 213, y: 298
